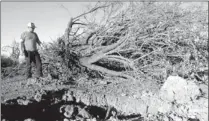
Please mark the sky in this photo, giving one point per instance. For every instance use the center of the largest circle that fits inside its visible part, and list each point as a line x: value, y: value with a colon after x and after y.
x: 50, y: 18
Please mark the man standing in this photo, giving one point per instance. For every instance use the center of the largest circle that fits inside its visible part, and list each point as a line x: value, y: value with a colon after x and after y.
x: 29, y: 41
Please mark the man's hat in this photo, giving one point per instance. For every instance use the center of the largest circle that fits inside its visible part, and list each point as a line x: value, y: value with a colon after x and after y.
x: 31, y: 25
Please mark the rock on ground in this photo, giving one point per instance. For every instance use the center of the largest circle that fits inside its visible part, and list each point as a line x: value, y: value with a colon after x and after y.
x: 179, y: 89
x: 181, y: 99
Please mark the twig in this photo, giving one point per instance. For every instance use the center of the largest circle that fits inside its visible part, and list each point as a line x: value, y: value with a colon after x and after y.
x: 65, y: 8
x: 79, y: 23
x: 146, y: 54
x: 92, y: 10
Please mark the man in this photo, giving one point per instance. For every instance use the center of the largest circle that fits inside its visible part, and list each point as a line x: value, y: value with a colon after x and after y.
x: 29, y: 41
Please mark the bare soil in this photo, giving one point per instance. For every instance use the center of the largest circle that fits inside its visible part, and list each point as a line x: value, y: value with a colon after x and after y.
x: 122, y: 94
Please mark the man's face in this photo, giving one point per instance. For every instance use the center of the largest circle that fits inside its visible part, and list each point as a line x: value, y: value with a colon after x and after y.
x: 30, y: 29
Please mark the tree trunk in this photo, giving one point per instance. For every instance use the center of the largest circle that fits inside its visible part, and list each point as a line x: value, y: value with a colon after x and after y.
x: 89, y: 61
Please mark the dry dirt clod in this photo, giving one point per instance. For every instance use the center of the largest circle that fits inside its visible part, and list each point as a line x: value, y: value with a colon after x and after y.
x: 68, y: 96
x: 69, y: 110
x: 93, y: 119
x: 29, y: 119
x: 31, y: 82
x: 123, y: 94
x: 67, y: 114
x: 65, y: 119
x: 62, y: 109
x: 38, y: 96
x: 84, y: 113
x: 103, y: 82
x: 23, y: 101
x: 112, y: 119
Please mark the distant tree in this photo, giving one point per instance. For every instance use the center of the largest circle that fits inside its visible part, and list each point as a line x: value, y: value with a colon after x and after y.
x: 15, y: 51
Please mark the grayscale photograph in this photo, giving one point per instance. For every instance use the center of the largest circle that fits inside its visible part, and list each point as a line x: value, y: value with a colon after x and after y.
x: 104, y: 61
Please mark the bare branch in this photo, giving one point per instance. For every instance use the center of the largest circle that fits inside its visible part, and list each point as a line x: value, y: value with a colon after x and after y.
x: 147, y: 54
x: 111, y: 48
x: 76, y: 31
x: 91, y: 34
x: 92, y: 10
x: 79, y: 23
x: 119, y: 57
x: 62, y: 6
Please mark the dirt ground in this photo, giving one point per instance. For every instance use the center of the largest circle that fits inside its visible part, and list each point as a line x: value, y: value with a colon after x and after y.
x: 118, y: 92
x: 18, y: 86
x: 131, y: 100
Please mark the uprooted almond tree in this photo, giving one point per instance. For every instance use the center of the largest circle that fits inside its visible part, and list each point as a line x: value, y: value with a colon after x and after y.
x: 134, y: 40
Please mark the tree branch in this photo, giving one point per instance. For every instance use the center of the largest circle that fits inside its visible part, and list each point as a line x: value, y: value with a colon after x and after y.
x: 68, y: 30
x: 92, y: 10
x: 118, y: 44
x: 79, y: 23
x: 91, y: 34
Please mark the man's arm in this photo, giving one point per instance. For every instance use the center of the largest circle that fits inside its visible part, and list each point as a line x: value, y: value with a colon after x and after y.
x: 38, y: 41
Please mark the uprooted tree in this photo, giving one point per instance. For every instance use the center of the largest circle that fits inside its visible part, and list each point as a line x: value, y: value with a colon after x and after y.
x: 136, y: 38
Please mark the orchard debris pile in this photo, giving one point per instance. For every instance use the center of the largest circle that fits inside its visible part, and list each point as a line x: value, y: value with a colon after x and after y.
x: 135, y: 40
